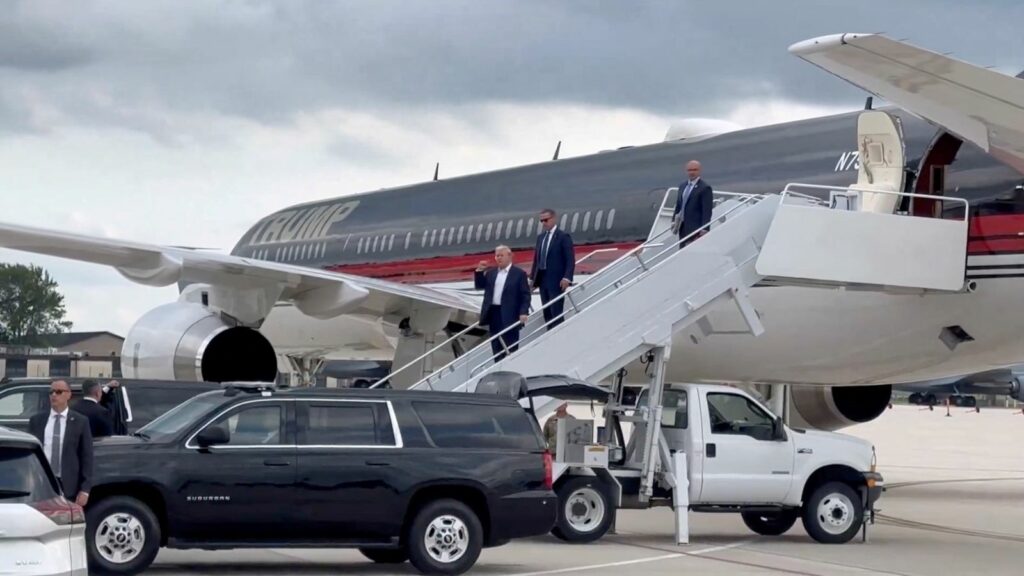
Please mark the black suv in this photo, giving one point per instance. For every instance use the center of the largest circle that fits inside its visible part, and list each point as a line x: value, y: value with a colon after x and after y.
x: 133, y: 405
x: 428, y: 477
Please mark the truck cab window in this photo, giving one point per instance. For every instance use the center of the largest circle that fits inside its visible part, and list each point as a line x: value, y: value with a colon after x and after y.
x: 737, y: 415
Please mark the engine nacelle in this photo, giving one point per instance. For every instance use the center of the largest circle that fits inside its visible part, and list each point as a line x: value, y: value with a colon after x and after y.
x: 835, y: 407
x: 185, y: 341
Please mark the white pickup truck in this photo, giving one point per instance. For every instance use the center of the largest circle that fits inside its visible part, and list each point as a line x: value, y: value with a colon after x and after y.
x: 739, y: 458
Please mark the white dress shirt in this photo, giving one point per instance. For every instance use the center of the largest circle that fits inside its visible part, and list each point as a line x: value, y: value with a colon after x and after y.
x: 48, y: 434
x: 499, y: 284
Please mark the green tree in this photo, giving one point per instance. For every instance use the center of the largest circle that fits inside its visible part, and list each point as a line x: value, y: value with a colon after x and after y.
x: 30, y: 305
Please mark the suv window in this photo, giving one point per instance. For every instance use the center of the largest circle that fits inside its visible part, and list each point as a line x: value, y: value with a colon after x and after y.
x: 22, y: 476
x: 348, y: 424
x: 477, y: 426
x: 22, y: 404
x: 150, y: 402
x: 259, y: 425
x: 734, y: 414
x: 176, y: 419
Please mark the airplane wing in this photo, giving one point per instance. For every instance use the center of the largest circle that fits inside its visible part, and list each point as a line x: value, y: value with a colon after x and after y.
x: 976, y: 104
x: 317, y: 293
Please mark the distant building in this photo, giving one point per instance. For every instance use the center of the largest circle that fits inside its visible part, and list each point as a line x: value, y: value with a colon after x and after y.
x: 72, y: 354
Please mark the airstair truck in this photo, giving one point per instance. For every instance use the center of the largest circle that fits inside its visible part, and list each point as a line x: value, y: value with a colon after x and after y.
x: 716, y: 449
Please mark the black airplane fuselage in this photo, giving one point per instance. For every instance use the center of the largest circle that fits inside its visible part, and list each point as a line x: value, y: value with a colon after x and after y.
x: 437, y: 231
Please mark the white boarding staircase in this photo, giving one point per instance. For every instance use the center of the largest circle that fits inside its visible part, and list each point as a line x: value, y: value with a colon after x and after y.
x: 637, y: 303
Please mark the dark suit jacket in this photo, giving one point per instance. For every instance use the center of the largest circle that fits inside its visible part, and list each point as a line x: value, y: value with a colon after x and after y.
x: 101, y: 421
x: 76, y: 455
x: 697, y: 212
x: 515, y: 298
x: 561, y: 259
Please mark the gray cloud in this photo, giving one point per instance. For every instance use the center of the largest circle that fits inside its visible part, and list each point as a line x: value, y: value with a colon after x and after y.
x: 140, y: 66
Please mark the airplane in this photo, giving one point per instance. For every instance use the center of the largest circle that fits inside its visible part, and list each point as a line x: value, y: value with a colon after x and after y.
x: 960, y: 390
x: 384, y: 275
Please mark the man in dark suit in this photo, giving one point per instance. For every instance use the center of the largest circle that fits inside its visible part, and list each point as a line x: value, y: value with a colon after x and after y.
x: 554, y: 260
x: 693, y: 205
x: 67, y: 442
x: 506, y: 300
x: 101, y: 421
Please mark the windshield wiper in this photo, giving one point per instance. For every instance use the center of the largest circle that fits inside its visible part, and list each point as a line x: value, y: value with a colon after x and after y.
x: 6, y: 493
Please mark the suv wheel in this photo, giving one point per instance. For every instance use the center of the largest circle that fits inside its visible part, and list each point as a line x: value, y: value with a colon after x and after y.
x: 584, y: 510
x: 385, y: 555
x: 770, y: 523
x: 445, y: 537
x: 833, y: 514
x: 122, y: 536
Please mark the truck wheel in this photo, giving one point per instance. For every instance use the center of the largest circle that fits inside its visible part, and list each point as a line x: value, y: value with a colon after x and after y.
x: 833, y: 514
x: 385, y: 555
x: 770, y: 523
x: 585, y: 511
x: 445, y: 537
x: 122, y: 536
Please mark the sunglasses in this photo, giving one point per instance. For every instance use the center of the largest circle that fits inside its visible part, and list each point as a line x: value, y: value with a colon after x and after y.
x: 545, y: 219
x: 58, y: 392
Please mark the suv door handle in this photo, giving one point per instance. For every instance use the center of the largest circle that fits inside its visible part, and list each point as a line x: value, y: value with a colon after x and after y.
x: 276, y: 463
x: 377, y: 463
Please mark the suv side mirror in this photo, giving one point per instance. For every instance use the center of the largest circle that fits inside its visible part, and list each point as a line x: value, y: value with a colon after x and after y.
x: 778, y: 430
x: 213, y: 435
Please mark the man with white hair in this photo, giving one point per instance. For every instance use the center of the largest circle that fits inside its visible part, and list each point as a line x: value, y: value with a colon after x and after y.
x: 506, y: 302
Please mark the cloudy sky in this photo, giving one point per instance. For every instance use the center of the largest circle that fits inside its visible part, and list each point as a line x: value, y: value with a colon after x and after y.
x: 182, y: 122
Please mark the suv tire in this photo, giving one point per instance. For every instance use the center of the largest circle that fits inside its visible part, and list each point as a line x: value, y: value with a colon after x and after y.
x: 385, y: 555
x: 445, y: 537
x: 585, y: 511
x: 833, y: 514
x: 770, y: 523
x: 122, y: 536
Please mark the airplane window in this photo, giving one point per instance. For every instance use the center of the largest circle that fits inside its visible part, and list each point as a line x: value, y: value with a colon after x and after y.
x: 575, y: 221
x: 565, y: 218
x: 611, y: 219
x: 291, y: 253
x: 451, y: 235
x: 323, y: 249
x: 408, y: 237
x: 586, y: 221
x: 305, y: 251
x: 597, y: 219
x: 519, y: 228
x: 424, y: 241
x: 459, y: 239
x: 508, y: 229
x: 375, y: 240
x: 391, y: 242
x: 529, y: 226
x: 487, y: 236
x: 359, y: 246
x: 479, y: 231
x: 433, y: 237
x: 277, y: 255
x: 497, y: 231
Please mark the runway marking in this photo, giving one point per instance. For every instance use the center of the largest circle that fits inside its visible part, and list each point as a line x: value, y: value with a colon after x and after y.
x: 636, y: 561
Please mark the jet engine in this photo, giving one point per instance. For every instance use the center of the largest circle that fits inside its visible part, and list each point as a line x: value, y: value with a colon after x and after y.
x: 186, y: 341
x: 835, y: 407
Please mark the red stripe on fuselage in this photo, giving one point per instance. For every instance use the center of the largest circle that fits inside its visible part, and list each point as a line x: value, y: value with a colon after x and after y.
x: 997, y: 234
x: 460, y: 268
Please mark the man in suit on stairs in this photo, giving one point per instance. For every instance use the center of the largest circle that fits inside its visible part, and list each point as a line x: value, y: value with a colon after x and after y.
x: 693, y: 205
x: 554, y: 261
x: 506, y: 300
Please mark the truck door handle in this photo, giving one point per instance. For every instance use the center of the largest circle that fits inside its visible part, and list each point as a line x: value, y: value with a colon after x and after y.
x: 377, y: 463
x: 276, y: 463
x: 711, y: 450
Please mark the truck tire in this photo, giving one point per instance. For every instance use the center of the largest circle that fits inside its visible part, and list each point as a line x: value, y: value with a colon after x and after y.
x: 385, y: 555
x: 122, y: 536
x: 445, y: 537
x: 585, y: 510
x: 770, y: 523
x: 833, y: 514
